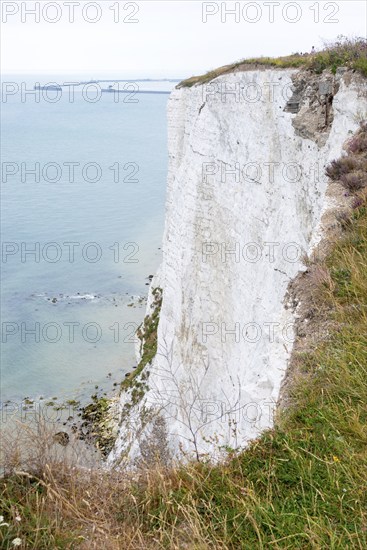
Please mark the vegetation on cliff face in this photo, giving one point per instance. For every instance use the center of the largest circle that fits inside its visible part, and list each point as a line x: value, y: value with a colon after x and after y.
x: 147, y: 333
x: 137, y: 382
x: 345, y: 52
x: 301, y: 485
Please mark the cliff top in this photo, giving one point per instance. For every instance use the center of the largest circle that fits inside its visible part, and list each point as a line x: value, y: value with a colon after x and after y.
x: 345, y: 52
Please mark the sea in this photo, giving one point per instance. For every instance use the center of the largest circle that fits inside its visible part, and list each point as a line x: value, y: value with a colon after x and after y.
x: 82, y: 217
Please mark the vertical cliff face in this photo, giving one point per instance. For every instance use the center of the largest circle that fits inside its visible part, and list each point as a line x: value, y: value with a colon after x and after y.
x: 246, y: 191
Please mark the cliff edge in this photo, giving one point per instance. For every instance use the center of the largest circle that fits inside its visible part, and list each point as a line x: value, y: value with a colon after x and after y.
x: 246, y: 205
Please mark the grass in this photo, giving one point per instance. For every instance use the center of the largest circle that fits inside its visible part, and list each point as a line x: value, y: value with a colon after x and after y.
x: 345, y: 52
x: 302, y: 484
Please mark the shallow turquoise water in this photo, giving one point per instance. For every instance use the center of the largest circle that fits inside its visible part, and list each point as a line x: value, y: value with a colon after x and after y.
x: 66, y: 321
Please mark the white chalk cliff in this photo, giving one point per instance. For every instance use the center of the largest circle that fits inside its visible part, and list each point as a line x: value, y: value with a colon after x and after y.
x: 246, y: 191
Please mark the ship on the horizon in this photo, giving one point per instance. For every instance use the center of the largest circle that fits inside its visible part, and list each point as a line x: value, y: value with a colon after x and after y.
x: 54, y: 87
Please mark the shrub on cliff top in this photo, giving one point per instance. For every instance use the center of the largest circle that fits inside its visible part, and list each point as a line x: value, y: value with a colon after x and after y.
x: 345, y: 52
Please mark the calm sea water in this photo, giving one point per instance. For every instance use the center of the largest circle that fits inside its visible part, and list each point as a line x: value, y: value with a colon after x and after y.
x: 77, y: 248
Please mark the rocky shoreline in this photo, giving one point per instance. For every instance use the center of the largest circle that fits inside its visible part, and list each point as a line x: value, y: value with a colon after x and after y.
x: 89, y: 419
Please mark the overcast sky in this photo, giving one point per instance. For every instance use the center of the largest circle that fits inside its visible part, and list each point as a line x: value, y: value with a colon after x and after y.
x: 168, y: 37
